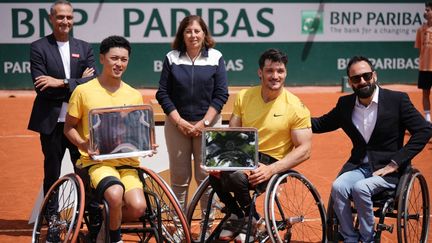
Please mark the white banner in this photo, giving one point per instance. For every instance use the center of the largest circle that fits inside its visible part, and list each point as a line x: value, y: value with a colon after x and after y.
x: 229, y: 22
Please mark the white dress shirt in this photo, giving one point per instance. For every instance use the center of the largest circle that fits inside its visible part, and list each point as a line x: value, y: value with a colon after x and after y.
x: 65, y: 56
x: 365, y: 117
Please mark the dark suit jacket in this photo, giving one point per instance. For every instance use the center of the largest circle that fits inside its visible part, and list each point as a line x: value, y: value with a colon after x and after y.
x: 45, y: 59
x: 396, y: 114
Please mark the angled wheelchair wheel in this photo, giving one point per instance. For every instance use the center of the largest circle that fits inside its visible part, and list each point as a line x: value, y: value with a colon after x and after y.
x: 164, y: 208
x: 413, y: 209
x: 332, y: 227
x: 293, y: 210
x: 203, y: 224
x: 61, y: 214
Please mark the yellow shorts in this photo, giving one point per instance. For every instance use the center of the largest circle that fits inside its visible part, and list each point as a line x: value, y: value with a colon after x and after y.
x: 129, y: 177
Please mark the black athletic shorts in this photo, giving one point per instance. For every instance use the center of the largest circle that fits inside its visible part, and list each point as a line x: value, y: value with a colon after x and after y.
x: 424, y: 80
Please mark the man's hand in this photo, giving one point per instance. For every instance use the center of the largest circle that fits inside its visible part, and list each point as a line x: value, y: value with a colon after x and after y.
x: 389, y: 168
x: 43, y: 82
x: 88, y: 72
x: 261, y: 174
x: 85, y: 146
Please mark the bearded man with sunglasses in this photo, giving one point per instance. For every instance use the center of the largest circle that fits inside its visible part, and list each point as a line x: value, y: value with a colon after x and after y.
x: 375, y: 119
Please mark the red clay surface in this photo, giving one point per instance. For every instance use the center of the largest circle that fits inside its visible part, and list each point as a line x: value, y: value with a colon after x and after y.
x: 21, y: 156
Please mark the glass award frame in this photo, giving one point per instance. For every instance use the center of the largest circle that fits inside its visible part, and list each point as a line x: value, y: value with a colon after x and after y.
x: 121, y: 132
x: 229, y: 149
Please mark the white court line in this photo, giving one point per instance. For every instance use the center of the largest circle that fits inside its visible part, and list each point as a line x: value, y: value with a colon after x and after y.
x: 18, y: 136
x: 15, y: 230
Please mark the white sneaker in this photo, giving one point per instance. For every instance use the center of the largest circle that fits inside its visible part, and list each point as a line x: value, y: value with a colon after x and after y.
x: 241, y: 238
x: 225, y: 234
x: 257, y: 228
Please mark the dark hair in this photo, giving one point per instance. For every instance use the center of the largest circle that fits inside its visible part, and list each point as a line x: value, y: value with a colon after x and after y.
x: 114, y: 41
x: 179, y: 44
x: 356, y: 59
x: 274, y: 55
x: 428, y: 4
x: 57, y: 3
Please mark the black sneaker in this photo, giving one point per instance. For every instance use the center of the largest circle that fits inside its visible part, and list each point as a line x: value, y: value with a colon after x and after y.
x: 95, y: 220
x: 53, y: 234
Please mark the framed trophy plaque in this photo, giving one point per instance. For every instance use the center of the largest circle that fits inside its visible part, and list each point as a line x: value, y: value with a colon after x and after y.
x: 121, y: 132
x: 230, y: 148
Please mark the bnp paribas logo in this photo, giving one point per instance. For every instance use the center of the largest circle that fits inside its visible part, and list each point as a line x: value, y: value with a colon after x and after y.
x: 312, y: 22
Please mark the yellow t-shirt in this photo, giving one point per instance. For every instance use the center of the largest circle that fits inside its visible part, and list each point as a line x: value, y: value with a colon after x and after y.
x: 92, y: 95
x: 274, y: 120
x: 424, y: 44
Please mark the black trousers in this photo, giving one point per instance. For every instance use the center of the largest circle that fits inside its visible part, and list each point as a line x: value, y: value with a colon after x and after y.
x: 238, y: 183
x: 54, y: 147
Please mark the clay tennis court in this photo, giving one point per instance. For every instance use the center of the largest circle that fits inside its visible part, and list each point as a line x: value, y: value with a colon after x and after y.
x: 21, y: 156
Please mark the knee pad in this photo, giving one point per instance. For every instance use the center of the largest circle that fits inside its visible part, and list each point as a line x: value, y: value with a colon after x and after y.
x: 104, y: 184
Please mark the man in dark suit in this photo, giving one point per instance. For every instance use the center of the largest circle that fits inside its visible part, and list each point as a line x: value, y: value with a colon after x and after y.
x: 58, y: 64
x: 375, y: 119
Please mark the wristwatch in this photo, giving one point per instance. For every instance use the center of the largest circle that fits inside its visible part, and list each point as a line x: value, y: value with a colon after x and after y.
x: 66, y: 82
x: 206, y: 123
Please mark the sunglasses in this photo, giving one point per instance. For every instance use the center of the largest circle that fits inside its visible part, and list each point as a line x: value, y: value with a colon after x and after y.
x: 357, y: 78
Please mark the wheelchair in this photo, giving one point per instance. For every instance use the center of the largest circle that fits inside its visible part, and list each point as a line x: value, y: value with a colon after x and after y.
x: 408, y: 205
x: 293, y: 211
x: 163, y: 220
x: 68, y: 193
x: 70, y: 204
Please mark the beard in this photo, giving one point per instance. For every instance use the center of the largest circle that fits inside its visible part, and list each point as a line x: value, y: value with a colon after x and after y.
x: 365, y: 91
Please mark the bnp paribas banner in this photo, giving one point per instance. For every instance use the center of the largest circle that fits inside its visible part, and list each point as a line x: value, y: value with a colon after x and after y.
x: 319, y: 38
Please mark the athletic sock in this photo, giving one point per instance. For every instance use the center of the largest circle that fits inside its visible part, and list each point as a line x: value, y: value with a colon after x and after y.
x: 115, y: 235
x: 427, y: 116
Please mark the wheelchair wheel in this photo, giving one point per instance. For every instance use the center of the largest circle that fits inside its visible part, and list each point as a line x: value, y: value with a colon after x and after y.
x: 61, y: 214
x: 413, y: 210
x: 293, y: 210
x: 203, y: 224
x: 172, y: 225
x: 332, y: 223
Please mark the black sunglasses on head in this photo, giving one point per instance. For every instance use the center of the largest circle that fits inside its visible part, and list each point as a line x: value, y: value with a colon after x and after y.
x: 357, y: 78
